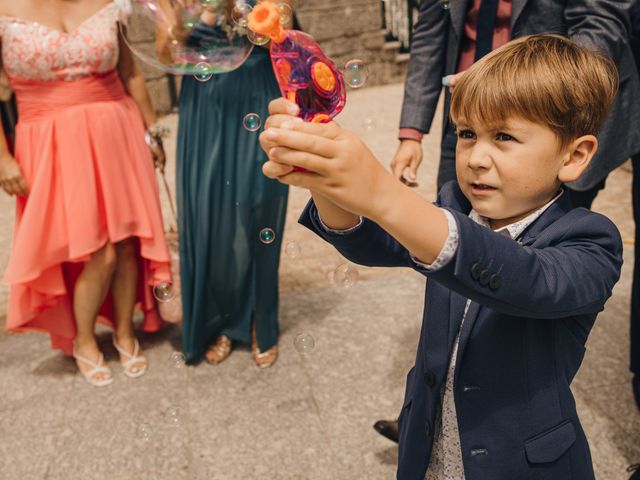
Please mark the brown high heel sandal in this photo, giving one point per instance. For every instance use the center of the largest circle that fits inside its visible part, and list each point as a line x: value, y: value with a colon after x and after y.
x: 219, y: 350
x: 263, y: 359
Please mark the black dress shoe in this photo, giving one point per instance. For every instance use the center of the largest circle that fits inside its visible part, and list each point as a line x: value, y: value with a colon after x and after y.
x: 388, y: 429
x: 635, y: 383
x: 635, y: 471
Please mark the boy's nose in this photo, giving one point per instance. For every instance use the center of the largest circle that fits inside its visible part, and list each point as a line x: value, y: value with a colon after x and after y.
x: 479, y: 158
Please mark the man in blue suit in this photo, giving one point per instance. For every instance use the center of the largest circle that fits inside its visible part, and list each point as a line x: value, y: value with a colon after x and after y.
x: 516, y: 276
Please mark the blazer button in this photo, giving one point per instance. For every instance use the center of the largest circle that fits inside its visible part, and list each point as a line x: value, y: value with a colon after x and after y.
x: 494, y: 282
x: 476, y: 452
x: 429, y: 379
x: 476, y: 270
x: 484, y: 278
x: 427, y: 429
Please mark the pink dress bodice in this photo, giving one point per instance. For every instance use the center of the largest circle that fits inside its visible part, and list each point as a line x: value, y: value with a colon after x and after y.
x: 32, y: 51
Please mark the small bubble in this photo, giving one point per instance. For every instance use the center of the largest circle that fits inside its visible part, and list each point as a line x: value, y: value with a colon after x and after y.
x: 285, y: 13
x: 164, y: 292
x: 173, y: 416
x: 203, y: 72
x: 256, y: 38
x: 344, y: 275
x: 176, y: 360
x: 240, y: 14
x: 445, y: 4
x: 252, y: 122
x: 304, y: 343
x: 267, y: 235
x: 356, y: 73
x: 292, y: 249
x: 369, y: 124
x: 144, y: 432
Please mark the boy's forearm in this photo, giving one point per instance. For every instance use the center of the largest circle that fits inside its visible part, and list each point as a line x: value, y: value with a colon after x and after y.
x: 417, y: 224
x: 332, y: 215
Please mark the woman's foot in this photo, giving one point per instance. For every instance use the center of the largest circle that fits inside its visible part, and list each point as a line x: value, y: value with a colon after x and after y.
x: 131, y: 356
x: 219, y: 350
x: 263, y: 359
x: 90, y: 362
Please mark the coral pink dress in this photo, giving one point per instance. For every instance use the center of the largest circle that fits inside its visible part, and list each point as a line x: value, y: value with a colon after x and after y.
x: 80, y: 143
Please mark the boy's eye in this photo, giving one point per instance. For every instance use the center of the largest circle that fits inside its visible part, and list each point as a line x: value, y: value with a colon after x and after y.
x: 466, y: 134
x: 504, y: 137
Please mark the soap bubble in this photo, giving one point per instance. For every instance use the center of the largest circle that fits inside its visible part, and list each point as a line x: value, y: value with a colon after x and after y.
x: 176, y: 360
x: 196, y: 31
x: 173, y: 416
x: 355, y: 73
x: 257, y: 38
x: 203, y: 72
x: 144, y: 432
x: 267, y: 235
x: 445, y: 4
x: 164, y: 291
x: 344, y: 275
x: 369, y: 123
x: 252, y: 122
x: 304, y: 343
x: 285, y: 13
x: 292, y: 249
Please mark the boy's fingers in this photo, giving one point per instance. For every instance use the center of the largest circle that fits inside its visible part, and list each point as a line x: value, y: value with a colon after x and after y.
x: 283, y: 106
x: 302, y: 141
x: 308, y: 180
x: 276, y: 121
x: 295, y: 158
x: 275, y: 170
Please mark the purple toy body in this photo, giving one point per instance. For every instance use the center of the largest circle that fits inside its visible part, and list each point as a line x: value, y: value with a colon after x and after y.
x: 308, y: 77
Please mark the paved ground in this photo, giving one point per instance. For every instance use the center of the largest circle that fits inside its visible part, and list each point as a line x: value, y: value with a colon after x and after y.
x: 307, y: 417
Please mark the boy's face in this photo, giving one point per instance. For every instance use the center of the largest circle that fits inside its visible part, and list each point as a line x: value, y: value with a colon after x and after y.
x: 510, y: 171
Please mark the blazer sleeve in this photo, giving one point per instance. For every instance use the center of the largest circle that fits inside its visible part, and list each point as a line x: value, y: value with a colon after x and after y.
x: 426, y: 66
x: 573, y: 275
x: 367, y: 245
x: 602, y: 25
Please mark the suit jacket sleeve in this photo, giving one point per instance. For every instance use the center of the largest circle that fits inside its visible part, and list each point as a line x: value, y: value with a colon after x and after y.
x: 602, y: 25
x: 571, y: 274
x: 426, y: 66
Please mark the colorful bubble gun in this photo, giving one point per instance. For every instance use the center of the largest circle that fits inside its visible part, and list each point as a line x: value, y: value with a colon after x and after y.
x: 304, y: 73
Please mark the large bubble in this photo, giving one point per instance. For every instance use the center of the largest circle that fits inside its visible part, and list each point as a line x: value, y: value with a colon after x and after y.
x: 201, y: 37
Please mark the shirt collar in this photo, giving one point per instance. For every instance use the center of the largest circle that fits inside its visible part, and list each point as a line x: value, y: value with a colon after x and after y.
x: 515, y: 229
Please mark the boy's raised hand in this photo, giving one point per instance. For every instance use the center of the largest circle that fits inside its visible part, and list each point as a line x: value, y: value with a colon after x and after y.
x: 334, y: 162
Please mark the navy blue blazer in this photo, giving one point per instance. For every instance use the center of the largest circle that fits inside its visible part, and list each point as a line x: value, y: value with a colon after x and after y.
x: 533, y: 305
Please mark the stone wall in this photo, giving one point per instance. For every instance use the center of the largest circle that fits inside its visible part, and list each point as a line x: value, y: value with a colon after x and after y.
x: 345, y: 29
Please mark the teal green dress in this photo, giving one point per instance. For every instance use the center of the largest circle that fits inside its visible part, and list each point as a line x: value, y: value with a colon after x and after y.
x: 229, y: 276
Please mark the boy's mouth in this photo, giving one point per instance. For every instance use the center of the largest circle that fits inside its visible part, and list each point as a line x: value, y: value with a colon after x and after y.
x: 482, y: 186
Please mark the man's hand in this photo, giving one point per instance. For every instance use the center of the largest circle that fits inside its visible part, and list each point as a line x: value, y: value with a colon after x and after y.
x: 11, y: 178
x: 408, y: 157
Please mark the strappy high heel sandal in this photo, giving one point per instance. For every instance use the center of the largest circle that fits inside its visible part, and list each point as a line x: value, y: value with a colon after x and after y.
x: 97, y: 368
x: 263, y: 359
x: 219, y: 350
x: 132, y: 367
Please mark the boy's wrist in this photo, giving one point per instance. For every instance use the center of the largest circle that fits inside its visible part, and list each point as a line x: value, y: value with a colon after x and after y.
x: 332, y: 216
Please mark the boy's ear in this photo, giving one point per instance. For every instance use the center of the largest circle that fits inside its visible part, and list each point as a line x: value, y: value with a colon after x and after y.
x: 577, y: 158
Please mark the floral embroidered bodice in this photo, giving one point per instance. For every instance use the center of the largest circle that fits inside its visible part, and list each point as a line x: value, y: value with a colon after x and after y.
x: 32, y: 51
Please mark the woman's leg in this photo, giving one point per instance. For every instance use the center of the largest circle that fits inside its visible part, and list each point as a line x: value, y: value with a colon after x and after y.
x: 90, y: 290
x: 123, y: 289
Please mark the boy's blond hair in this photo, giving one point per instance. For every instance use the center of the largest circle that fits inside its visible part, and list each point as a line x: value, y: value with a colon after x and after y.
x: 546, y: 79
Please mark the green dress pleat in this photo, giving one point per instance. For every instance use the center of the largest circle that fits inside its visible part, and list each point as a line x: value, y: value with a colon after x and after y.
x: 229, y: 277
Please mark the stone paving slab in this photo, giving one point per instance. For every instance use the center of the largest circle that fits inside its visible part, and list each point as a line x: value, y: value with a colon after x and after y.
x: 307, y: 417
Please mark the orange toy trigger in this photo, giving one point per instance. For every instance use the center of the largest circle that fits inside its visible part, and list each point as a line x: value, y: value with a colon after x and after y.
x: 323, y: 77
x: 321, y: 118
x: 265, y: 20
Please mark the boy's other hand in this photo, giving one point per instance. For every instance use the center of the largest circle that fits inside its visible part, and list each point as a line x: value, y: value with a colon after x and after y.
x: 326, y: 159
x: 408, y: 157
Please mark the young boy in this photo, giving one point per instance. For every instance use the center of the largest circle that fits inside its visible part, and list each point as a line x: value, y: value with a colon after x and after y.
x: 516, y: 276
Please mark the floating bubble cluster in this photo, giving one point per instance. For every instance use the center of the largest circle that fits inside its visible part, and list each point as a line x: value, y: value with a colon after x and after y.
x: 202, y: 37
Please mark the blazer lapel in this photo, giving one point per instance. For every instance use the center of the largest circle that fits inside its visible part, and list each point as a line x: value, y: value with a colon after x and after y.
x: 516, y: 9
x: 467, y: 328
x: 558, y: 209
x: 458, y: 11
x: 456, y: 309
